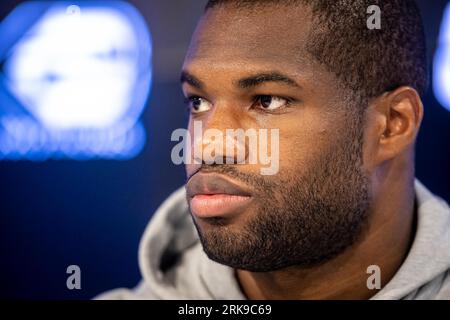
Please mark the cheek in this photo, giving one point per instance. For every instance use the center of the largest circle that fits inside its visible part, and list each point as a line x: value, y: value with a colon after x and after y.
x: 373, y: 131
x: 303, y: 141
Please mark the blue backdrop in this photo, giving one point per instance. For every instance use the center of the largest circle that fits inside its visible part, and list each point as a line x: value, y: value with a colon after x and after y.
x: 91, y: 213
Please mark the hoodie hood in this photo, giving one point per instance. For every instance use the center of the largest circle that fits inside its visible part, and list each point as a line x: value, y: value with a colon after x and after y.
x: 425, y: 273
x: 174, y: 266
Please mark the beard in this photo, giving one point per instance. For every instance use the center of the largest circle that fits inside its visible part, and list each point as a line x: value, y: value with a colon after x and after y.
x: 301, y: 219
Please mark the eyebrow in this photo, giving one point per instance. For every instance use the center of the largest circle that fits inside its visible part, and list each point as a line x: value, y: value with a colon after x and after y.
x: 245, y: 83
x: 186, y: 77
x: 259, y: 79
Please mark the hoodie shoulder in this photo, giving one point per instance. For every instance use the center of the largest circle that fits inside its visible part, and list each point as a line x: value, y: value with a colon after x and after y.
x: 425, y: 273
x: 140, y: 292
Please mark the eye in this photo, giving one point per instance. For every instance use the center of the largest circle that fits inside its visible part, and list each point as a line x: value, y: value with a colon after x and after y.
x: 271, y: 102
x: 198, y: 105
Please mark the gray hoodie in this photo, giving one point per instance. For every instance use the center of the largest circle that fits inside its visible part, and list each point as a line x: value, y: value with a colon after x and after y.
x: 174, y: 266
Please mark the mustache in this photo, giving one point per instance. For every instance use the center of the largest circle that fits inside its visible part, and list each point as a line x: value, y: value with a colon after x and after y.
x: 230, y: 170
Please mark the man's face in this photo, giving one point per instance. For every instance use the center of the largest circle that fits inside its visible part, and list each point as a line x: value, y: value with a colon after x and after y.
x: 249, y: 69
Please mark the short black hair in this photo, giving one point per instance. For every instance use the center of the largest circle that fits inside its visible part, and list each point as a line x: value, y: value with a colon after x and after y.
x: 367, y: 61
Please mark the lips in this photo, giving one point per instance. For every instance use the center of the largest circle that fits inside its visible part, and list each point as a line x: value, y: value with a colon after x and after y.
x: 215, y: 196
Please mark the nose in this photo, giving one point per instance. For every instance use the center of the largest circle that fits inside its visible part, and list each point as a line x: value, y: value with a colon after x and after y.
x: 219, y: 138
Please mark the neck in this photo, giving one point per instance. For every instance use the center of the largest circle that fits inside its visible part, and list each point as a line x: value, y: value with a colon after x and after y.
x: 385, y: 243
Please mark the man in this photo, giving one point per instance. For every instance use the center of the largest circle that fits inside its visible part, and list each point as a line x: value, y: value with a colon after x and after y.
x: 344, y: 217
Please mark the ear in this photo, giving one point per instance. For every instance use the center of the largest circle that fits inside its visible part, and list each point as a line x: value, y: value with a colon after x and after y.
x: 396, y: 116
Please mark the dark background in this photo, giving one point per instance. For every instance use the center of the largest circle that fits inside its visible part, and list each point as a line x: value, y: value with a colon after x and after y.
x: 92, y: 213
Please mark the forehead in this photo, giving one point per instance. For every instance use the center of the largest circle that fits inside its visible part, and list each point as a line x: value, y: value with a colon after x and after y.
x: 266, y: 35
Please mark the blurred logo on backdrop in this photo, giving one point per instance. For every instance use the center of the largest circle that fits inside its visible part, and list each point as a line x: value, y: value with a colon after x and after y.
x: 74, y: 80
x: 441, y: 72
